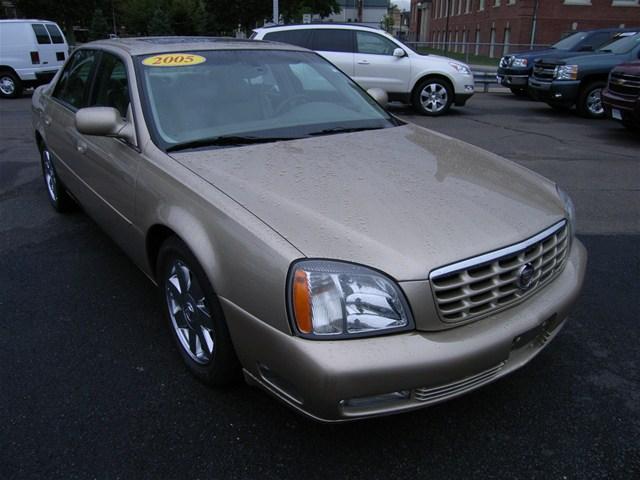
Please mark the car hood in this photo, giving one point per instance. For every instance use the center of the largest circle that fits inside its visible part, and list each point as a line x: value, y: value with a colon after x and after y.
x: 403, y: 200
x: 598, y: 58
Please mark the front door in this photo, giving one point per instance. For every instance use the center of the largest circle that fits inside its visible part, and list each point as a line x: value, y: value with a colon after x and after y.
x: 376, y: 66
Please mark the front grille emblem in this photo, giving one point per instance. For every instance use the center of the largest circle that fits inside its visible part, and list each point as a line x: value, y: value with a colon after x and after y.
x: 525, y: 276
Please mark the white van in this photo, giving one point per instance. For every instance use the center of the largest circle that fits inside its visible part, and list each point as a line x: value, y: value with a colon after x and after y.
x: 31, y: 53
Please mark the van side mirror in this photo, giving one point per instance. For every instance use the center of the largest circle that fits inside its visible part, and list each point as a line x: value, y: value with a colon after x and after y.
x: 379, y: 96
x: 399, y: 53
x: 104, y: 122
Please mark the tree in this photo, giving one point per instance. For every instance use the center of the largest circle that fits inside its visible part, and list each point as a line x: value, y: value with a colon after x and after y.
x: 160, y: 23
x: 99, y: 27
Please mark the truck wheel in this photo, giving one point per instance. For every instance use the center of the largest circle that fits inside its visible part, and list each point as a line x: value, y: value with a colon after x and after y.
x: 590, y: 100
x: 432, y: 96
x: 10, y: 85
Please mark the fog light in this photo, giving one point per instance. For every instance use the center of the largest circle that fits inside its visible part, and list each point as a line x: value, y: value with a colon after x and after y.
x: 557, y: 95
x: 468, y: 88
x: 376, y: 400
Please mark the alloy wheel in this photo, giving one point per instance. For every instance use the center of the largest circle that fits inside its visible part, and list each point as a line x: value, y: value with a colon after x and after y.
x: 594, y: 102
x: 434, y: 97
x: 49, y: 176
x: 7, y: 85
x: 189, y: 313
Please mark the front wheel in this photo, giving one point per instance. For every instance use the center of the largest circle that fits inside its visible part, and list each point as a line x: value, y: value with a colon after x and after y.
x: 433, y: 96
x: 195, y: 316
x: 60, y: 200
x: 590, y: 100
x: 10, y: 85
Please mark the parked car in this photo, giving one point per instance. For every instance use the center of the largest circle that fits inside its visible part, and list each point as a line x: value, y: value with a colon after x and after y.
x: 621, y: 98
x: 31, y: 53
x: 515, y: 69
x: 579, y: 80
x: 375, y: 59
x: 351, y: 264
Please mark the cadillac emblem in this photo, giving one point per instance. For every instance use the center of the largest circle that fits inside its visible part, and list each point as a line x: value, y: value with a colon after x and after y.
x: 525, y: 276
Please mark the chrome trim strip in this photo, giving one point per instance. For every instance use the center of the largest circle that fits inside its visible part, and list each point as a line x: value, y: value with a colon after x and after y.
x: 496, y: 254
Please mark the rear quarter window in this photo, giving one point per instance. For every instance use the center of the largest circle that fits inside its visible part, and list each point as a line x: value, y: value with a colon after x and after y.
x: 55, y: 33
x: 42, y: 37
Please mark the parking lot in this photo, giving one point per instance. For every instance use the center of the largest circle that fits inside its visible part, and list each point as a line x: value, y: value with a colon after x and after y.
x: 92, y: 385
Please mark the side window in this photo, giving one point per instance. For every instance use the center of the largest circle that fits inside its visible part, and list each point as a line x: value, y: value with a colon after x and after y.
x: 75, y: 81
x: 373, y: 43
x: 328, y: 40
x: 112, y: 87
x: 597, y: 39
x: 56, y: 34
x: 301, y: 38
x: 42, y: 37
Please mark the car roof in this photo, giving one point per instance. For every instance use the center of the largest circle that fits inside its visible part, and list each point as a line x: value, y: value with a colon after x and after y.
x: 302, y: 26
x: 150, y: 45
x: 25, y: 20
x: 614, y: 29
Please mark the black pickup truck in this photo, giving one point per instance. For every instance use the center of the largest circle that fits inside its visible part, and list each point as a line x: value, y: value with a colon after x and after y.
x: 514, y: 69
x: 579, y: 80
x: 621, y: 98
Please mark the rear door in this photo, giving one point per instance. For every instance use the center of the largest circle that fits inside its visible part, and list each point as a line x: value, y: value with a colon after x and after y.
x: 58, y: 43
x: 336, y: 45
x: 46, y: 48
x: 376, y: 66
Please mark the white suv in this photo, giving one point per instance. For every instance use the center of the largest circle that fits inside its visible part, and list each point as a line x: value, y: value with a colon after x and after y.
x: 31, y: 53
x: 375, y: 59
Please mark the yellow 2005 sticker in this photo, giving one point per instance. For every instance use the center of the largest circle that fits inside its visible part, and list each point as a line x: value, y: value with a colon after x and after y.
x: 173, y: 60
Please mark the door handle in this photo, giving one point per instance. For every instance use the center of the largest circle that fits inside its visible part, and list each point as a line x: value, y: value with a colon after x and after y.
x: 81, y: 147
x: 47, y: 120
x: 363, y: 62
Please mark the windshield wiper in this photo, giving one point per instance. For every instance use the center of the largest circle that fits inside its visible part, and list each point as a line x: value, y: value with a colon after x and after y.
x: 331, y: 131
x: 225, y: 141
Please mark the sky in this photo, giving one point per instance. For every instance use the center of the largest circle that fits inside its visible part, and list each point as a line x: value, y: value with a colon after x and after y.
x: 402, y: 4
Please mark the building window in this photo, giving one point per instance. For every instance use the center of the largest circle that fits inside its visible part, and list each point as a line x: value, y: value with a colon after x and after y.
x: 625, y: 3
x: 507, y: 41
x: 464, y: 41
x: 467, y: 7
x: 496, y: 3
x: 481, y: 5
x: 577, y: 2
x: 477, y: 41
x: 457, y: 43
x: 459, y: 7
x: 492, y: 43
x: 511, y: 2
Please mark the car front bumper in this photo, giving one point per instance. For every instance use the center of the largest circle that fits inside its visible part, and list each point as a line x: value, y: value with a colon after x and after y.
x: 562, y: 91
x: 333, y: 381
x: 627, y: 107
x: 509, y: 77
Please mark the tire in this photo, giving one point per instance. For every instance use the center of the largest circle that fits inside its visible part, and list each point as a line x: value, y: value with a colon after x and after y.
x: 194, y: 315
x: 519, y: 91
x: 432, y: 96
x: 58, y: 196
x: 590, y: 101
x: 10, y: 85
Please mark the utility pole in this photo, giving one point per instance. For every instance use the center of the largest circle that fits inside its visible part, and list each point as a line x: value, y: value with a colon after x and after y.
x: 276, y: 13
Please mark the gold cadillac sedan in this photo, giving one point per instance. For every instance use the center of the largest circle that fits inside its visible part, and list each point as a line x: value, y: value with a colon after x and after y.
x: 348, y: 263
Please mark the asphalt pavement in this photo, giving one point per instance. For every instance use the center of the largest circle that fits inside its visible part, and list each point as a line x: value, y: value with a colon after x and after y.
x: 91, y: 385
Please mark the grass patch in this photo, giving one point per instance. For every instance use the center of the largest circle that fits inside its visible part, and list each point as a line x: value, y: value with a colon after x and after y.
x: 472, y: 59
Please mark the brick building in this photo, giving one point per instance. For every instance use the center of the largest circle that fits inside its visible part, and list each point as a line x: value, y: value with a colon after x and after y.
x: 495, y: 27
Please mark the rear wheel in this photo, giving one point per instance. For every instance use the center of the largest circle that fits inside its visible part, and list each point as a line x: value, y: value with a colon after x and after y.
x: 433, y: 96
x: 195, y: 316
x: 590, y: 100
x: 10, y: 85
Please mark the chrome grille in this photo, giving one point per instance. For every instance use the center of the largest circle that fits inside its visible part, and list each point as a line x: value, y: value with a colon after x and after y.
x: 544, y: 71
x: 624, y: 84
x: 433, y: 394
x: 494, y: 281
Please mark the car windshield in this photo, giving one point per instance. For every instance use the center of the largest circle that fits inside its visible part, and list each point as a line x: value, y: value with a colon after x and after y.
x: 217, y: 98
x: 570, y: 42
x: 622, y: 45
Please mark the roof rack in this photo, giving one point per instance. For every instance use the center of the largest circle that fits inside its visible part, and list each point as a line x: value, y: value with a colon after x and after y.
x: 340, y: 24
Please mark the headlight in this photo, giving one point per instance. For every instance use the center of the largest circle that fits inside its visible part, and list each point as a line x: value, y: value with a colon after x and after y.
x: 569, y: 208
x: 520, y: 62
x: 460, y: 68
x: 329, y: 299
x: 566, y: 72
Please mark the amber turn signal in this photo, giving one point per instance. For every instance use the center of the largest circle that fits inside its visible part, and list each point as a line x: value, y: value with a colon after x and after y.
x: 302, y: 302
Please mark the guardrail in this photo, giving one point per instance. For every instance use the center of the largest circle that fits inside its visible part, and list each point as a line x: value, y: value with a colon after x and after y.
x: 485, y: 78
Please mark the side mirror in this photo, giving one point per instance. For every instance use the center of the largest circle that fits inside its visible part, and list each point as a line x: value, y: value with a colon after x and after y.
x: 379, y: 96
x: 399, y: 53
x: 104, y: 122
